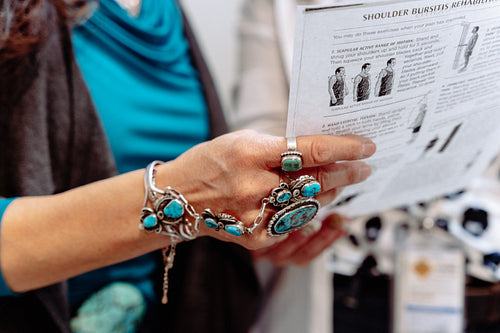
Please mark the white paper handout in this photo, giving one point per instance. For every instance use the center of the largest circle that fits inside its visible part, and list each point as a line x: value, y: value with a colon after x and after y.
x: 420, y: 78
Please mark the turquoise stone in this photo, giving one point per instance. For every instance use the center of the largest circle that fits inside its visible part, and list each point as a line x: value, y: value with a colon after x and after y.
x: 295, y: 219
x: 291, y: 163
x: 211, y: 223
x: 234, y: 230
x: 174, y: 209
x: 149, y: 222
x: 310, y: 190
x: 283, y: 197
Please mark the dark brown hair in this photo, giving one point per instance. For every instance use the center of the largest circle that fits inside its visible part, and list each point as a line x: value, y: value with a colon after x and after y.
x: 23, y: 23
x: 24, y: 26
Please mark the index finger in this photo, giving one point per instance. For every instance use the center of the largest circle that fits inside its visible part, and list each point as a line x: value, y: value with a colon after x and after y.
x: 320, y: 150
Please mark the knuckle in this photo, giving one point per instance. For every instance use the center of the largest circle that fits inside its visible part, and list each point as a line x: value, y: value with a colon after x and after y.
x: 320, y: 152
x: 244, y: 151
x: 239, y: 153
x: 238, y: 148
x: 246, y: 132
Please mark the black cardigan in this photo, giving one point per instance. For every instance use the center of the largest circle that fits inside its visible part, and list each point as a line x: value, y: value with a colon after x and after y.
x: 50, y: 141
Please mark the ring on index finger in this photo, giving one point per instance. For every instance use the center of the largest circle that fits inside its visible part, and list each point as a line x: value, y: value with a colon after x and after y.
x: 291, y: 160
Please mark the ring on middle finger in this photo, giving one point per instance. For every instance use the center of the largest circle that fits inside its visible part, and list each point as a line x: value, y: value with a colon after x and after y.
x: 296, y: 205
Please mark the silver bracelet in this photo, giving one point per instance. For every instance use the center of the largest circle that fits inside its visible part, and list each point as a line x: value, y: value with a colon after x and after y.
x: 169, y: 211
x: 167, y: 216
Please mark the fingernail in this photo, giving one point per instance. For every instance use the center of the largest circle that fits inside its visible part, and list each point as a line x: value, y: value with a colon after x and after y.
x: 364, y: 171
x: 368, y: 149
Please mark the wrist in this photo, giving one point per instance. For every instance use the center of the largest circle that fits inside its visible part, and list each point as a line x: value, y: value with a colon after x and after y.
x: 166, y: 211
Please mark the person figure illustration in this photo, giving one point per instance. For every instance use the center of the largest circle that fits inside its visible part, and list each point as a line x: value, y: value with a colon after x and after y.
x: 362, y: 83
x: 337, y: 87
x: 385, y: 79
x: 416, y: 125
x: 470, y: 46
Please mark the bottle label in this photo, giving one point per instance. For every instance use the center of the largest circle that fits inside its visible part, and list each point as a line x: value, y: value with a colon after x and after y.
x: 429, y: 289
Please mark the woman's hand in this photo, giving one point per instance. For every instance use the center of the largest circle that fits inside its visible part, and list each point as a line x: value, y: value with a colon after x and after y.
x: 233, y: 173
x: 97, y: 224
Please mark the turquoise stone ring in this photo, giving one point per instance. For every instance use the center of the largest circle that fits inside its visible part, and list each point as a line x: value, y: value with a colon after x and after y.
x: 311, y: 189
x: 305, y: 186
x: 296, y: 205
x: 291, y: 160
x: 294, y: 200
x: 293, y: 217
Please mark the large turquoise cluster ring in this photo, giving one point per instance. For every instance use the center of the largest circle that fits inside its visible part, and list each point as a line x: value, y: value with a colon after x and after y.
x: 296, y: 205
x: 294, y: 202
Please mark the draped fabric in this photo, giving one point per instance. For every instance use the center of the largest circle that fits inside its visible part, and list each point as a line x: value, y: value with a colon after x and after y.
x: 144, y: 85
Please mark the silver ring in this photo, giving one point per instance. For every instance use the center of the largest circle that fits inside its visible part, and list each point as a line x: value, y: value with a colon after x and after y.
x: 291, y: 143
x: 295, y: 203
x: 291, y: 160
x: 293, y: 217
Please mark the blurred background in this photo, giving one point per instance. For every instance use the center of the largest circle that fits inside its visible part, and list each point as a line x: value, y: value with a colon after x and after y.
x: 218, y: 38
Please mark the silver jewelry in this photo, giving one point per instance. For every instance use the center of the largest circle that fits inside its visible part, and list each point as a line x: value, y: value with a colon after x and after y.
x: 223, y: 221
x: 293, y: 217
x: 296, y: 205
x: 291, y: 160
x: 167, y: 216
x: 291, y: 143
